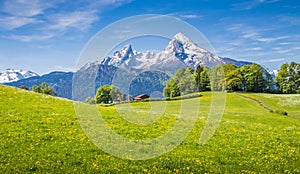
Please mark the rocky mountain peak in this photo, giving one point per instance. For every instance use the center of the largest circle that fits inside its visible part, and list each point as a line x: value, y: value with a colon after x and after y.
x: 181, y: 38
x: 125, y: 52
x: 180, y: 51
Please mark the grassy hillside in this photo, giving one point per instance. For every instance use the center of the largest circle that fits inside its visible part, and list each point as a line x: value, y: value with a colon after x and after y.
x: 39, y: 133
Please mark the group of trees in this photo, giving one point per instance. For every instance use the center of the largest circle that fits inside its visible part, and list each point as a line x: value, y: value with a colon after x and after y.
x: 288, y: 78
x: 187, y: 81
x: 44, y: 88
x: 248, y: 78
x: 107, y: 94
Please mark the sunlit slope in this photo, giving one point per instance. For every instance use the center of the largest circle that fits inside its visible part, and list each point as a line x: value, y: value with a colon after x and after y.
x: 39, y: 133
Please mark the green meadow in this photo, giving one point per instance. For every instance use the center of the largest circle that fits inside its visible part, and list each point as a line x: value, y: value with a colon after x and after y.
x: 41, y: 134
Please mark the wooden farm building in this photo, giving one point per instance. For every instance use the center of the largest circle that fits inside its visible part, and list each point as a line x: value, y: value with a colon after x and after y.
x: 141, y: 97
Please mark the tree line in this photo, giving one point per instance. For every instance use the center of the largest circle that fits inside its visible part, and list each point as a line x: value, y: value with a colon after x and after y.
x: 288, y: 78
x: 228, y: 77
x: 223, y: 77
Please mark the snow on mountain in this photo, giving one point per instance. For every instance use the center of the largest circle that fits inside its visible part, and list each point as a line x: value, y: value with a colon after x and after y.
x: 119, y: 56
x: 180, y: 52
x: 273, y: 73
x: 191, y: 54
x: 11, y: 75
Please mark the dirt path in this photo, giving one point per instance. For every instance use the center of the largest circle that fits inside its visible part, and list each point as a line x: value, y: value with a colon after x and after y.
x: 255, y: 100
x: 263, y: 105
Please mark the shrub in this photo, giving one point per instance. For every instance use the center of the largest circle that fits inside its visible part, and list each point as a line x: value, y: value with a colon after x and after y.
x: 281, y: 112
x: 44, y: 88
x: 24, y: 87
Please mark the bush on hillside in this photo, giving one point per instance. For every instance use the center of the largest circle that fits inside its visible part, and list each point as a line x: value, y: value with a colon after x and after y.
x: 44, y: 88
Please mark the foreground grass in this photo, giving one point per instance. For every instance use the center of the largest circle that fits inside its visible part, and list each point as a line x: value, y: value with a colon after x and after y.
x: 39, y: 133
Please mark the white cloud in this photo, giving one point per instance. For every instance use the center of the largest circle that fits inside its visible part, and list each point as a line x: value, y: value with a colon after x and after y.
x: 13, y: 22
x: 284, y: 43
x: 235, y: 27
x: 255, y: 36
x: 190, y: 16
x: 283, y: 51
x: 254, y: 41
x: 253, y: 49
x: 23, y: 7
x: 235, y: 43
x: 292, y: 20
x: 250, y: 35
x: 27, y: 8
x: 256, y: 55
x: 271, y: 39
x: 273, y: 60
x: 115, y: 2
x: 65, y: 69
x: 80, y: 20
x: 228, y: 49
x: 185, y: 15
x: 249, y: 5
x: 22, y: 12
x: 29, y: 38
x: 54, y: 19
x: 296, y: 48
x: 45, y: 46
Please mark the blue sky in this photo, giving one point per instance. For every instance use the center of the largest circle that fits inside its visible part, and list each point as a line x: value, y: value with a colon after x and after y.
x: 44, y: 36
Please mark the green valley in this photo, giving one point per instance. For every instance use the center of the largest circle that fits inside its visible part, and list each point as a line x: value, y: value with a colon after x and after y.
x: 41, y: 134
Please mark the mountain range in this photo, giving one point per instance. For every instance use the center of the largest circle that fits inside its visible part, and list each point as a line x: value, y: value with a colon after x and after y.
x: 180, y: 52
x: 11, y: 75
x: 141, y: 72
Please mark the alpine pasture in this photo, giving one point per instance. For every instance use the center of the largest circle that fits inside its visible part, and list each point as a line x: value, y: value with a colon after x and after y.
x: 41, y: 134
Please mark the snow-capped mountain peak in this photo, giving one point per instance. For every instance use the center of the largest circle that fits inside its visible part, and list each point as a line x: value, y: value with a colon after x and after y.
x: 273, y: 73
x: 182, y: 38
x: 180, y: 52
x: 11, y: 75
x: 190, y: 53
x: 119, y: 56
x: 126, y: 51
x: 180, y: 44
x: 174, y: 46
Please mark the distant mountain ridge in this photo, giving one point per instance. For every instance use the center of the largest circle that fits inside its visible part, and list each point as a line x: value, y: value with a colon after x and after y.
x: 61, y: 82
x: 180, y: 52
x: 11, y: 75
x: 147, y: 72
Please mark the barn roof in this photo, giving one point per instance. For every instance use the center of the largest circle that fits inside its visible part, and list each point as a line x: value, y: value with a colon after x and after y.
x: 142, y: 96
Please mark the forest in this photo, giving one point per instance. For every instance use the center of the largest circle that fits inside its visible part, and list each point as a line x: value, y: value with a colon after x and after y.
x: 228, y: 77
